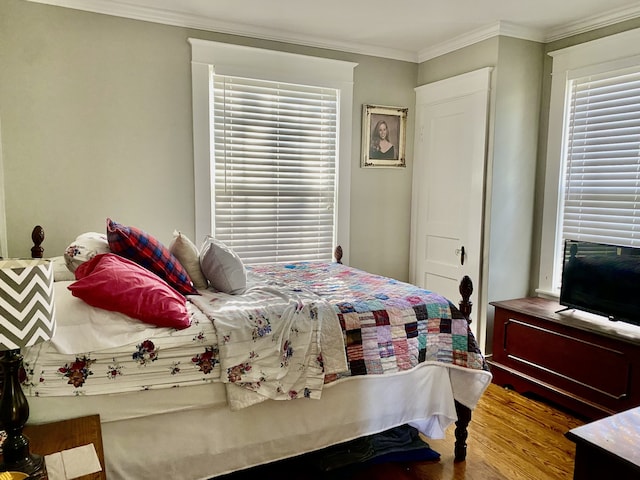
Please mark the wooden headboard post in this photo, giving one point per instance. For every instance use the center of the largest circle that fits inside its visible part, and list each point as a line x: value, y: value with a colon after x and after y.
x: 337, y: 254
x: 37, y: 236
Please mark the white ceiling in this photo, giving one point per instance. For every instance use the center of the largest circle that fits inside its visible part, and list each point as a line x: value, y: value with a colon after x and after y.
x: 412, y: 30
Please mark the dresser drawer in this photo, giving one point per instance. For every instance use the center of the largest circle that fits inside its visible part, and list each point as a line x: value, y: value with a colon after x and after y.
x: 593, y: 370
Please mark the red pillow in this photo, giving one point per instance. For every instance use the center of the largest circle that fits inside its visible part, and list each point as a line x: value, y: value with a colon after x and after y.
x: 146, y: 250
x: 114, y: 283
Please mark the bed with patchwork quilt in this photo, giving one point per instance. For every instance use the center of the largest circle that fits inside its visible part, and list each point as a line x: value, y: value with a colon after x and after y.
x: 309, y: 355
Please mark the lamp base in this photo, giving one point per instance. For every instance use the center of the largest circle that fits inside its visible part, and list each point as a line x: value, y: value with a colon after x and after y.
x: 33, y: 466
x: 14, y: 412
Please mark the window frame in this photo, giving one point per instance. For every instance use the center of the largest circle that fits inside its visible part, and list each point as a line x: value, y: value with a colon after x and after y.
x: 606, y: 54
x: 273, y: 65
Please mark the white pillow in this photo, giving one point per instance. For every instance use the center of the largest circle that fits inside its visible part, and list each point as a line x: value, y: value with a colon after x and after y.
x: 60, y: 271
x: 81, y: 328
x: 222, y: 267
x: 187, y: 254
x: 84, y: 248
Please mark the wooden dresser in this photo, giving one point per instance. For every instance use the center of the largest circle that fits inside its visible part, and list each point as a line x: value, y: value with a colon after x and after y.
x: 588, y: 368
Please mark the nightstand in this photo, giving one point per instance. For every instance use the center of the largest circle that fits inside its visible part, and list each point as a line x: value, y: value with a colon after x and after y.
x: 57, y: 436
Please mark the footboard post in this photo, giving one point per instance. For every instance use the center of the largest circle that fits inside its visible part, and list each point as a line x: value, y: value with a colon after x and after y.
x: 466, y: 289
x: 464, y: 412
x: 461, y: 433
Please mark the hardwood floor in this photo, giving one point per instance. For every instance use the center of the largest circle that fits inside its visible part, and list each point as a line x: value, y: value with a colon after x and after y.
x: 511, y: 437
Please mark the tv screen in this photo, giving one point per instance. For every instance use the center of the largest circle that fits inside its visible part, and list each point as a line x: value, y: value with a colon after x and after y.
x: 602, y: 279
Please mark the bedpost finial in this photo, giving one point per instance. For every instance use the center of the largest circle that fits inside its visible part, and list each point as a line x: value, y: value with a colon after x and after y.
x: 466, y: 289
x: 337, y: 253
x: 37, y: 236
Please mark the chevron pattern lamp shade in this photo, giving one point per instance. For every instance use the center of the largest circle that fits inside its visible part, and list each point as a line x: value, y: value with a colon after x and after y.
x: 26, y: 302
x: 26, y: 318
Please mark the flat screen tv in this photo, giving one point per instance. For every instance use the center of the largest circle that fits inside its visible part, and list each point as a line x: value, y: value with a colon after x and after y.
x: 602, y: 279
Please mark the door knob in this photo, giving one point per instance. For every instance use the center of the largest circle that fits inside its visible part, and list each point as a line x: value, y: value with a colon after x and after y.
x: 460, y: 251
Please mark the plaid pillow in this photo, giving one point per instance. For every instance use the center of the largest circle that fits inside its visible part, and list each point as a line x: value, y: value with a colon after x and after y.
x: 147, y: 251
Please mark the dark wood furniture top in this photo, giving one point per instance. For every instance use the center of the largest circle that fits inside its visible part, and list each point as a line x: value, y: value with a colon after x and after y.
x: 57, y: 436
x: 608, y: 448
x: 548, y: 310
x: 585, y: 363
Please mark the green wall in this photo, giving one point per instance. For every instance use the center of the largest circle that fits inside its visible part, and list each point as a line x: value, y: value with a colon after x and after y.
x: 96, y: 121
x: 467, y: 59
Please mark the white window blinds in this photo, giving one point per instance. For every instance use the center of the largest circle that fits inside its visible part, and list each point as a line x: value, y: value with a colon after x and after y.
x: 275, y: 169
x: 602, y: 175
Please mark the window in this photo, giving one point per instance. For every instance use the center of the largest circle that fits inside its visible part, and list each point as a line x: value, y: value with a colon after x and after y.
x: 272, y: 149
x: 274, y: 155
x: 593, y: 158
x: 602, y: 170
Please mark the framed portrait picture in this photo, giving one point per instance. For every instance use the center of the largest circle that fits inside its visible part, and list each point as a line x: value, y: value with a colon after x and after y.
x: 383, y: 136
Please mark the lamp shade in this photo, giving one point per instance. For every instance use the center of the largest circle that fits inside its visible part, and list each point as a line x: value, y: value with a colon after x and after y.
x: 27, y: 309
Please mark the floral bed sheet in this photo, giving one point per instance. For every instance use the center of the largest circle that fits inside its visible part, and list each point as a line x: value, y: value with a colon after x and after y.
x: 275, y: 342
x: 169, y: 359
x: 270, y: 342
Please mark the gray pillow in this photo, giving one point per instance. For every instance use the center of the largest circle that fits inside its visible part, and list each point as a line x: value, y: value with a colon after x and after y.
x: 222, y: 267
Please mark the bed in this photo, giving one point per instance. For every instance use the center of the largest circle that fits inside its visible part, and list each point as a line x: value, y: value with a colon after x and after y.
x: 307, y: 355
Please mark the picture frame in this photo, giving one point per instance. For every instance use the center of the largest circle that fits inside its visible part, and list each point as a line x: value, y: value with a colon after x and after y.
x: 383, y: 136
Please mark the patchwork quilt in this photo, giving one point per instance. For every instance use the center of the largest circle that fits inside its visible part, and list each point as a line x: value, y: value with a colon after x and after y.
x: 388, y: 325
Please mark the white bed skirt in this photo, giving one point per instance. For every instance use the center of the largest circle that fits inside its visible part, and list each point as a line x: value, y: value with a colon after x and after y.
x: 190, y: 433
x: 199, y: 444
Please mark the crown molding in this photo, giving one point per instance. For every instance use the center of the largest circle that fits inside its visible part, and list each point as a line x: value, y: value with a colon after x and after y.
x: 592, y: 23
x: 499, y: 28
x: 179, y: 19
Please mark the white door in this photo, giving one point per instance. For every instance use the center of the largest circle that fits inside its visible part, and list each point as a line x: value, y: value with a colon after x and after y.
x: 448, y: 185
